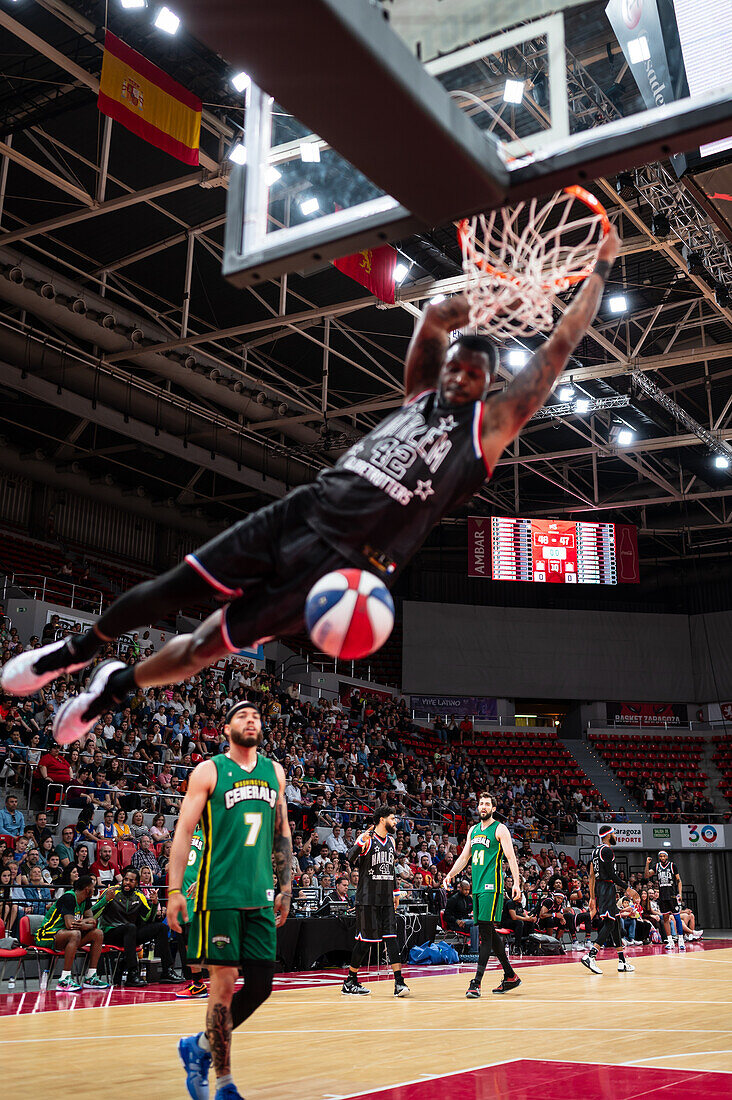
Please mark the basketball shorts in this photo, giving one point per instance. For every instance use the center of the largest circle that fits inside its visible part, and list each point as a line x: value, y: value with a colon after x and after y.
x: 668, y: 902
x: 375, y: 922
x: 606, y: 897
x: 230, y: 937
x: 264, y: 566
x: 488, y: 905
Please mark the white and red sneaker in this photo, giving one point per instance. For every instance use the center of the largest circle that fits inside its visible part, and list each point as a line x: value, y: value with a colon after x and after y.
x: 18, y: 676
x: 72, y: 722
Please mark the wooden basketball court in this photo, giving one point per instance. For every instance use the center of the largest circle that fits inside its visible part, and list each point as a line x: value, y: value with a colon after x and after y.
x: 661, y: 1032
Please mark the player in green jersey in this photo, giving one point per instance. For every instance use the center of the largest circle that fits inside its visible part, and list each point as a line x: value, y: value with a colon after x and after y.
x: 239, y: 800
x: 488, y: 843
x: 69, y: 925
x: 196, y: 988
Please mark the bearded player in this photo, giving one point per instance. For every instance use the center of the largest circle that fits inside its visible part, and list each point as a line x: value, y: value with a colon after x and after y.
x: 604, y: 880
x: 239, y: 799
x: 488, y: 843
x: 373, y: 509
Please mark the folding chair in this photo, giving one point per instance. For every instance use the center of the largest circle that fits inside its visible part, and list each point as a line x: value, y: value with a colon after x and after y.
x: 8, y: 953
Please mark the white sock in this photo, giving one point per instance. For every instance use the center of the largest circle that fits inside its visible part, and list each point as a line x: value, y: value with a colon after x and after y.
x: 65, y: 974
x: 227, y: 1079
x: 204, y: 1043
x: 91, y: 971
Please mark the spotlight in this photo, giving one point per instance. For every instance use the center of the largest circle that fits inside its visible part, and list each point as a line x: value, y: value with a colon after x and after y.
x: 133, y: 5
x: 241, y: 81
x: 437, y: 299
x: 660, y: 226
x: 238, y: 153
x: 692, y: 260
x: 271, y: 175
x: 566, y: 393
x: 625, y: 437
x: 722, y: 296
x: 581, y: 405
x: 166, y: 20
x: 618, y: 303
x: 539, y: 92
x: 309, y: 206
x: 309, y: 152
x: 513, y: 92
x: 517, y: 357
x: 625, y: 186
x: 721, y: 462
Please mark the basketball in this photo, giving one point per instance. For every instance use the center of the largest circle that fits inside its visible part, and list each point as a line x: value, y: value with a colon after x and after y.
x: 349, y: 614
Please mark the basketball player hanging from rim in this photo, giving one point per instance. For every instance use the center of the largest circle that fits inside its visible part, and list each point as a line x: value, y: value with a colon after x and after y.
x: 373, y: 509
x: 604, y: 880
x: 488, y: 843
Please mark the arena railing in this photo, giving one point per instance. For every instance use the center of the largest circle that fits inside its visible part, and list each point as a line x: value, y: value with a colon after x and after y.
x: 36, y: 586
x: 665, y: 726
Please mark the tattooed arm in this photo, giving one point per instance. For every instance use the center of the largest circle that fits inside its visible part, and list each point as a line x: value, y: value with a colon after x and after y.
x: 282, y: 853
x: 507, y: 413
x: 430, y: 341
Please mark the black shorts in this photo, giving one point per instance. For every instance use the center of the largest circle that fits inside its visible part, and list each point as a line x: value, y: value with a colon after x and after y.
x: 668, y: 902
x: 606, y: 899
x: 265, y: 565
x: 375, y: 922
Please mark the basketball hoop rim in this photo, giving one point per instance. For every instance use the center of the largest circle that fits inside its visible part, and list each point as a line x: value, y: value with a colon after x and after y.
x: 465, y: 236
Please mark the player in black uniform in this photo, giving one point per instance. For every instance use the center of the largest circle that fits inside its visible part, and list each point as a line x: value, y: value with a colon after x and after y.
x: 669, y: 898
x: 374, y: 853
x: 373, y: 509
x: 604, y: 880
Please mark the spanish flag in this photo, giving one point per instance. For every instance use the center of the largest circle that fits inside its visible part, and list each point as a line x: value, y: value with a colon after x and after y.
x: 374, y: 269
x: 148, y: 102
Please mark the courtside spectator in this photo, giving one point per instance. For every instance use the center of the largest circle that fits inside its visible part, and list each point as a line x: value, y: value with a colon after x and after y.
x: 127, y: 919
x: 103, y: 869
x: 12, y: 821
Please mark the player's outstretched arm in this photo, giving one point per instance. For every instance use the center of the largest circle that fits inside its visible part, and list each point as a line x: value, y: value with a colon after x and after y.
x: 200, y: 786
x: 282, y: 853
x: 506, y: 414
x: 429, y: 343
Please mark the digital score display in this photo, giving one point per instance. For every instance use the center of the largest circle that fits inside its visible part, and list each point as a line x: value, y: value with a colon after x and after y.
x: 549, y: 551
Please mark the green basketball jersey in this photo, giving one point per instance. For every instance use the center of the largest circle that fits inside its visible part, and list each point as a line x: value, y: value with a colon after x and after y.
x: 486, y: 861
x: 238, y: 831
x: 190, y: 876
x: 54, y: 921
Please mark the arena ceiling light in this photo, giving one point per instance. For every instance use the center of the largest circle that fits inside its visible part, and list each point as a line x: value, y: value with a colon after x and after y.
x: 566, y: 392
x: 309, y: 152
x: 133, y: 5
x: 437, y: 299
x: 166, y: 20
x: 241, y: 81
x: 513, y: 91
x: 517, y: 357
x: 625, y: 437
x: 618, y: 303
x: 309, y: 206
x: 721, y: 462
x: 238, y: 153
x: 582, y: 405
x: 639, y: 50
x: 400, y: 272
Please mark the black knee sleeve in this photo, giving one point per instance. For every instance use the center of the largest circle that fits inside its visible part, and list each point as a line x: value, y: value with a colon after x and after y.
x: 257, y: 988
x: 153, y: 600
x: 359, y: 954
x: 392, y: 950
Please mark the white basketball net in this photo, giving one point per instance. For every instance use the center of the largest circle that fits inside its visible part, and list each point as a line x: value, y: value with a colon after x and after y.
x: 514, y: 263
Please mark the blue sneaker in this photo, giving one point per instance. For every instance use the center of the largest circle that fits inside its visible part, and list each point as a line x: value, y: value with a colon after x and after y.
x: 197, y: 1063
x: 228, y: 1092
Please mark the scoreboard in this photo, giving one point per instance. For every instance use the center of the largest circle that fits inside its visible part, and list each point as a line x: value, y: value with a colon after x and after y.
x: 551, y: 551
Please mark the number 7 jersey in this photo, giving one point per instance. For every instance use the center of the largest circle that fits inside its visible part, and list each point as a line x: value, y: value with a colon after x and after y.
x: 238, y: 832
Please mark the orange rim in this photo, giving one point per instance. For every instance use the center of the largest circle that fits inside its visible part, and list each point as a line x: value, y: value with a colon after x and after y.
x: 579, y: 193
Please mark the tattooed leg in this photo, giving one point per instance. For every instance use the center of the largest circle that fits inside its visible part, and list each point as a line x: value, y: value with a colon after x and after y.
x: 218, y: 1018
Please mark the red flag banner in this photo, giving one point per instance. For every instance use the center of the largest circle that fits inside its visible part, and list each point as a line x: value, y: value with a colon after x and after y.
x: 374, y: 269
x: 147, y: 101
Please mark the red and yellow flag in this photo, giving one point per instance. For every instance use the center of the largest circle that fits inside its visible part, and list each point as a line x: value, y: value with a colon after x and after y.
x: 148, y: 102
x: 374, y: 269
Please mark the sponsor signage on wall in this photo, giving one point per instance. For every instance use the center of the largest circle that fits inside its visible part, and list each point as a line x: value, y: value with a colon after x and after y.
x: 661, y: 833
x: 702, y: 837
x: 456, y: 705
x: 647, y: 714
x: 479, y: 542
x: 726, y: 709
x: 628, y: 836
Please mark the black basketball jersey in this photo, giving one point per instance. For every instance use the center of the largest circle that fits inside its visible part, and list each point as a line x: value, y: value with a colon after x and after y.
x: 603, y: 860
x: 389, y: 490
x: 666, y: 874
x: 376, y: 865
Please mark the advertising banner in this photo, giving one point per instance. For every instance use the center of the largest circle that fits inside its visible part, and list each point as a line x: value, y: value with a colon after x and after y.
x: 647, y: 714
x: 702, y: 837
x: 628, y: 836
x: 456, y: 705
x: 479, y: 538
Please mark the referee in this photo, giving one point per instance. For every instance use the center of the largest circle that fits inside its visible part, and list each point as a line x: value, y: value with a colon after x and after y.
x: 374, y: 855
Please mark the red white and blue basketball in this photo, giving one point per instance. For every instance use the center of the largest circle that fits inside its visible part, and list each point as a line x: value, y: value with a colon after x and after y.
x: 349, y: 614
